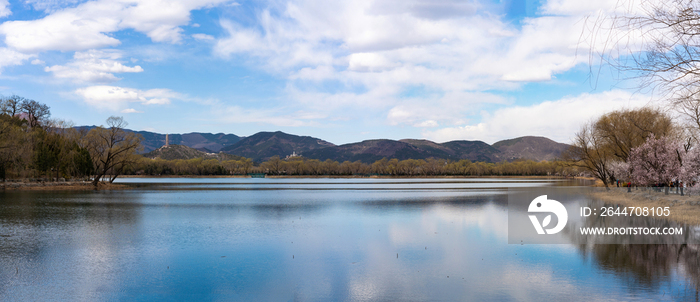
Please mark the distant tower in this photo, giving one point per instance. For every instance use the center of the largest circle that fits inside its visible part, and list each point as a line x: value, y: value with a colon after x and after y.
x: 167, y: 142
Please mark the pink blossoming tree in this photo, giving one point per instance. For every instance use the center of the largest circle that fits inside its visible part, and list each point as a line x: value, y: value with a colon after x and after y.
x: 690, y: 171
x: 662, y: 160
x: 658, y: 160
x: 621, y: 170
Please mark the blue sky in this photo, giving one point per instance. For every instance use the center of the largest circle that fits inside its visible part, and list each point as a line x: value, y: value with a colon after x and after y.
x: 343, y: 71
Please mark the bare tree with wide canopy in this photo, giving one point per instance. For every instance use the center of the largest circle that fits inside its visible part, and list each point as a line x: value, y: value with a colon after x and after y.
x: 111, y: 148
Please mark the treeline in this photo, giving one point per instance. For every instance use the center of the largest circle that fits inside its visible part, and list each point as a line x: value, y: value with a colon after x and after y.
x: 388, y: 167
x: 644, y: 147
x: 34, y: 146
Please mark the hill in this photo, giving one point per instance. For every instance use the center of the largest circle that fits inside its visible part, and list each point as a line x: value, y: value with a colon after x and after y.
x: 536, y: 148
x: 173, y: 152
x: 472, y: 150
x: 263, y: 145
x: 372, y: 150
x: 206, y: 142
x: 367, y: 151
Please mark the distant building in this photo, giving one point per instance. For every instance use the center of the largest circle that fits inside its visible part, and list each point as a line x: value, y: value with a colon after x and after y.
x: 293, y: 155
x: 167, y: 142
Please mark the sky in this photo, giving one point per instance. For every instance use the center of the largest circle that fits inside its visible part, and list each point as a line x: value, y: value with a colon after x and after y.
x: 343, y: 71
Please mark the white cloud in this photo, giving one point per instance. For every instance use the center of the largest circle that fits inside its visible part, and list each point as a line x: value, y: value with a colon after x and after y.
x: 52, y: 5
x: 365, y: 62
x: 38, y: 62
x: 117, y: 98
x: 10, y: 57
x: 557, y: 120
x: 130, y: 110
x: 88, y: 25
x: 71, y: 29
x: 454, y: 50
x: 427, y: 124
x: 239, y: 40
x: 369, y: 36
x: 449, y: 109
x: 278, y: 117
x: 203, y: 37
x: 96, y: 66
x: 5, y: 8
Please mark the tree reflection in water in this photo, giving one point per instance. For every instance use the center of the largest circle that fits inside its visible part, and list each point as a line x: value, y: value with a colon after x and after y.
x: 651, y: 266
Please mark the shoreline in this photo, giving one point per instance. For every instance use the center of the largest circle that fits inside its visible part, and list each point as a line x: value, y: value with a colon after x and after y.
x: 353, y: 176
x: 683, y: 209
x: 58, y: 186
x: 23, y: 185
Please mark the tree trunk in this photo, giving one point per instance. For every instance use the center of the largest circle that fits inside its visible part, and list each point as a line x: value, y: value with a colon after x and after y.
x: 113, y: 177
x: 98, y: 177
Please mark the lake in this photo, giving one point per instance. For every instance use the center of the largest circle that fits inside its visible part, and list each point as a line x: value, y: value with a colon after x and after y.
x: 316, y: 239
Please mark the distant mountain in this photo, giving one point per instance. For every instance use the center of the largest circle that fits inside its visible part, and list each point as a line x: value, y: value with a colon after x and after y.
x: 368, y: 151
x: 172, y: 152
x: 372, y: 150
x: 206, y: 142
x: 263, y: 145
x: 472, y: 150
x: 529, y: 147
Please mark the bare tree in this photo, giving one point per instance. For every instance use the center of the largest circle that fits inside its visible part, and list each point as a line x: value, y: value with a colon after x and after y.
x: 11, y: 105
x: 656, y: 43
x: 37, y: 113
x: 274, y: 165
x: 655, y: 40
x: 588, y: 151
x: 111, y: 148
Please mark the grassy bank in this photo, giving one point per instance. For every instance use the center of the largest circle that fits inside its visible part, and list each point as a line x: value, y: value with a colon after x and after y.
x: 684, y: 209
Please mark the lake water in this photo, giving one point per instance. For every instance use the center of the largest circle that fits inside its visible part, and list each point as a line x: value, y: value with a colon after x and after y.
x: 242, y: 239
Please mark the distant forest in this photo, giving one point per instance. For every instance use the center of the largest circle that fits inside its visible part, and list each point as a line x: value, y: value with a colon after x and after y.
x: 386, y: 167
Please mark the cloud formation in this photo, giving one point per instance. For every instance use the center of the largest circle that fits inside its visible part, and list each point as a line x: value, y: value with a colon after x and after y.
x: 558, y: 120
x: 378, y: 52
x: 450, y: 68
x: 5, y: 8
x: 9, y: 57
x: 118, y: 98
x: 95, y: 66
x: 88, y: 25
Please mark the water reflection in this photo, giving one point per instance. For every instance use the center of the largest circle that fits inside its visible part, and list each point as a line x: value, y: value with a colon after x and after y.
x: 419, y: 244
x: 652, y: 266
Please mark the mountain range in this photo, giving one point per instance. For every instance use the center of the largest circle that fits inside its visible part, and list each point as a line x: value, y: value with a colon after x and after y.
x: 264, y: 145
x: 185, y: 152
x: 206, y: 142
